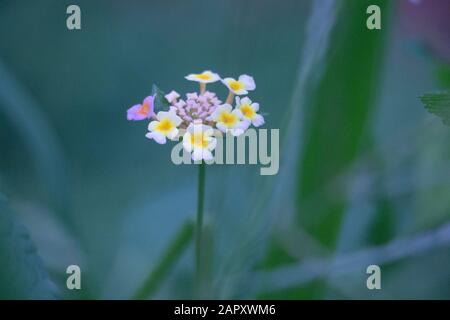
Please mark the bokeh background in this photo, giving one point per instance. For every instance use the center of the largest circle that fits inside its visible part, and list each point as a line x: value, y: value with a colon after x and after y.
x: 364, y: 175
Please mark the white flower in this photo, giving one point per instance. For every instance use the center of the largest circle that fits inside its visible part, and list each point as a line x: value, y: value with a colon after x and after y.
x: 241, y: 86
x: 172, y: 96
x: 198, y: 139
x: 165, y: 126
x: 228, y: 120
x: 204, y: 77
x: 249, y: 111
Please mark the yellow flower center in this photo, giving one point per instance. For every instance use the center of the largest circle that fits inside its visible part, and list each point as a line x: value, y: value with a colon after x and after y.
x: 228, y: 119
x: 165, y: 126
x: 199, y: 140
x: 236, y: 85
x: 145, y: 108
x: 204, y: 76
x: 247, y: 111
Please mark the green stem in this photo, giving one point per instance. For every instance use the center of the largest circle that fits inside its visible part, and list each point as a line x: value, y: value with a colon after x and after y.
x: 198, y: 242
x: 176, y: 247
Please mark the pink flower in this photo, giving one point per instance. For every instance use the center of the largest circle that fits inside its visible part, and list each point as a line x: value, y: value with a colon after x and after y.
x: 141, y: 111
x: 197, y: 106
x: 172, y: 96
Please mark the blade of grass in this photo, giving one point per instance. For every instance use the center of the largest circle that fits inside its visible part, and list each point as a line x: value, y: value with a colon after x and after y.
x: 31, y: 123
x: 312, y: 269
x: 274, y: 194
x: 341, y: 107
x: 170, y: 256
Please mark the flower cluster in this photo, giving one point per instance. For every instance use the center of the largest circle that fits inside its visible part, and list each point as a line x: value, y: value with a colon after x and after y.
x: 199, y: 113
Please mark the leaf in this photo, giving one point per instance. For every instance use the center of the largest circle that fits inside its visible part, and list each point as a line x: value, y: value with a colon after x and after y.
x: 160, y: 103
x: 22, y: 275
x: 335, y: 127
x: 330, y: 127
x: 438, y: 103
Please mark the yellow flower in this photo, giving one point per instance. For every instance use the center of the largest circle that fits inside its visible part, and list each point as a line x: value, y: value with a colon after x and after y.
x: 249, y: 111
x: 198, y: 139
x: 204, y: 77
x: 228, y: 120
x: 164, y: 127
x: 241, y: 86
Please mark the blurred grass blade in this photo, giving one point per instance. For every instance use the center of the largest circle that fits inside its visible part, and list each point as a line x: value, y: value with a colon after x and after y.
x: 274, y: 194
x: 309, y: 270
x: 336, y: 123
x: 23, y: 112
x: 438, y: 103
x: 332, y: 123
x: 174, y: 250
x: 22, y: 275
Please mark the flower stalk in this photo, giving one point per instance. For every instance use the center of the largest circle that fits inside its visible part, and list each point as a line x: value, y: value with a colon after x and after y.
x: 230, y: 98
x: 202, y: 87
x: 199, y: 225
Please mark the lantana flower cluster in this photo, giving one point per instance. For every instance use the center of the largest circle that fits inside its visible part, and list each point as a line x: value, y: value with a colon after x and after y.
x: 196, y: 116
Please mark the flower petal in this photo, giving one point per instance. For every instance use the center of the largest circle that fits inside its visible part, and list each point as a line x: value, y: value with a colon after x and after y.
x: 161, y: 115
x: 236, y: 132
x: 149, y: 100
x: 212, y: 144
x: 237, y: 113
x: 204, y: 77
x: 221, y: 127
x: 228, y: 81
x: 238, y: 101
x: 158, y: 137
x: 187, y: 145
x: 225, y: 107
x: 152, y: 125
x: 197, y: 154
x: 248, y: 81
x: 172, y: 96
x: 207, y: 155
x: 133, y: 113
x: 258, y: 120
x: 172, y: 134
x: 255, y: 106
x: 246, y: 100
x: 174, y: 117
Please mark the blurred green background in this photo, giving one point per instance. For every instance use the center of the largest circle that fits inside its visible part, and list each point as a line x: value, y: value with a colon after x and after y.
x: 364, y: 169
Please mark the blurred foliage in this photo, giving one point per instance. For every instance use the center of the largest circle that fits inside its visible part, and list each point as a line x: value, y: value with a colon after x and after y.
x: 336, y: 125
x: 438, y: 103
x: 22, y: 275
x: 363, y: 165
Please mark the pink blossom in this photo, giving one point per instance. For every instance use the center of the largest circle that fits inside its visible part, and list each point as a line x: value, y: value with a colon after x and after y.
x: 197, y: 106
x: 141, y: 111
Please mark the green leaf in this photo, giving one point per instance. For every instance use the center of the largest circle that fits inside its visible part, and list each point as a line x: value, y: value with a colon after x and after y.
x: 160, y: 103
x: 438, y: 103
x: 22, y: 275
x: 336, y: 123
